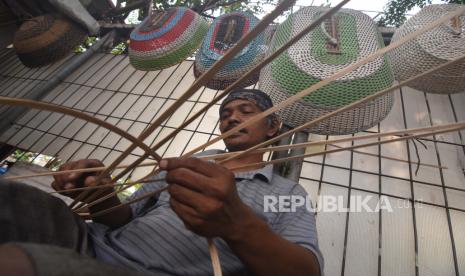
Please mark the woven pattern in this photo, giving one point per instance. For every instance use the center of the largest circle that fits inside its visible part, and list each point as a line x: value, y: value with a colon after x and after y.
x: 341, y: 41
x: 166, y: 38
x: 442, y: 44
x: 46, y: 39
x: 223, y: 34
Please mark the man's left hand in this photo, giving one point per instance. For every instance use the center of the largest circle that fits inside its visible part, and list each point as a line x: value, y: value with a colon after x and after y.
x: 204, y: 196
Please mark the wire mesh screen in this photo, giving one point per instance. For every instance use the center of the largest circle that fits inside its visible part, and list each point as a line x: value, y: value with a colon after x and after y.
x: 422, y: 236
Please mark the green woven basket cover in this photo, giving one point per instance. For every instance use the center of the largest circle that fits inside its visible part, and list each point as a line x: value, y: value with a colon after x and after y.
x: 312, y: 59
x: 431, y: 49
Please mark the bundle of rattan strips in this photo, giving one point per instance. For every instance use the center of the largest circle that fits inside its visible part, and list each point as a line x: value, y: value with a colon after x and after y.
x: 234, y: 51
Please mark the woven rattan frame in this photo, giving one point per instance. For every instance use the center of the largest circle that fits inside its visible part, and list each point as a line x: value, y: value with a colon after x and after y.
x: 175, y: 37
x: 45, y: 39
x: 310, y: 60
x: 431, y: 49
x: 248, y: 58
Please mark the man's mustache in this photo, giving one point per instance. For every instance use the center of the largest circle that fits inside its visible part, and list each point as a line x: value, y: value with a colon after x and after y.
x: 228, y: 128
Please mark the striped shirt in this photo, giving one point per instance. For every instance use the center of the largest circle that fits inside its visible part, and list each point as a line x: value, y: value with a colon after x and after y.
x: 156, y: 241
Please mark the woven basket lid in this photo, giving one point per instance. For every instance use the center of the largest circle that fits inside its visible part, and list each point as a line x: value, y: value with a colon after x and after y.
x: 46, y: 39
x: 442, y: 44
x: 338, y: 43
x: 166, y: 38
x: 224, y: 33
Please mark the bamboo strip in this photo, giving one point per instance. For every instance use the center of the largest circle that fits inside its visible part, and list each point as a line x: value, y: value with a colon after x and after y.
x: 106, y: 186
x: 259, y: 150
x: 459, y: 126
x: 86, y: 170
x: 393, y: 159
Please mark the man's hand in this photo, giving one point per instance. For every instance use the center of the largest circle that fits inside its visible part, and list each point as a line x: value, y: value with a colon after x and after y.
x: 74, y: 180
x: 204, y: 196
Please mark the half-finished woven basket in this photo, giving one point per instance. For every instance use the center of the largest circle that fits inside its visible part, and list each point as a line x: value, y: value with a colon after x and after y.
x: 338, y: 43
x: 166, y: 38
x: 442, y: 44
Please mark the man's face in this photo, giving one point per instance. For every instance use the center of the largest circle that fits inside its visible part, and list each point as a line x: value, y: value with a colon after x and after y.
x: 237, y: 112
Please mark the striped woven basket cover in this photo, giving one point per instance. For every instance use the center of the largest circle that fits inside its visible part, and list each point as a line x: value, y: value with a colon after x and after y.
x: 45, y: 39
x: 166, y: 38
x: 223, y: 34
x: 313, y: 58
x: 431, y: 49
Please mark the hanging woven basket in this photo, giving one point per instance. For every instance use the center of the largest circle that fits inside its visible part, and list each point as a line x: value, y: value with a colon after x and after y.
x: 166, y: 38
x: 45, y: 39
x: 338, y: 43
x: 442, y: 44
x: 223, y: 34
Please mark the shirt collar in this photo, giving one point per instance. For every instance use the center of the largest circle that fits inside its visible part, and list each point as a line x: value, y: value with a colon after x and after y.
x: 265, y: 174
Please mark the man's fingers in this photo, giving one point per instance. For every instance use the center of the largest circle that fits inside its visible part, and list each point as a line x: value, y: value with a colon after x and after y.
x: 187, y: 197
x: 60, y: 178
x: 187, y: 214
x: 81, y: 164
x: 195, y: 164
x: 187, y: 178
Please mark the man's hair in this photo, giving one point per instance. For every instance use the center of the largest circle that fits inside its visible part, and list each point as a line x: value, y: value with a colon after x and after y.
x: 258, y: 97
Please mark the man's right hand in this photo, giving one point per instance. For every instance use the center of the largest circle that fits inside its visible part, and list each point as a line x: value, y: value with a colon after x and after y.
x: 74, y: 180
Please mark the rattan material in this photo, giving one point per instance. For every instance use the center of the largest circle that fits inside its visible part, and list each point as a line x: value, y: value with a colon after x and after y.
x: 430, y: 50
x: 166, y: 38
x: 312, y: 59
x: 45, y: 39
x: 225, y: 31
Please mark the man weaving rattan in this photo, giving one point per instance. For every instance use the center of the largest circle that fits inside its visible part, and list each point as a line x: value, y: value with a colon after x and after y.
x: 164, y: 235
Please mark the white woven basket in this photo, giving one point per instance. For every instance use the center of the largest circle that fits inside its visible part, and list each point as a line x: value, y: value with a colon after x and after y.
x: 431, y: 49
x: 311, y: 60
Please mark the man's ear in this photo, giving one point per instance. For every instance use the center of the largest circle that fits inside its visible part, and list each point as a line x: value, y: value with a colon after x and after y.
x: 274, y: 127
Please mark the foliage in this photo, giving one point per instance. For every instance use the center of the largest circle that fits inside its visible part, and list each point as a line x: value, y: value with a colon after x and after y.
x: 20, y: 155
x: 119, y: 49
x: 90, y: 40
x: 202, y: 6
x: 396, y: 10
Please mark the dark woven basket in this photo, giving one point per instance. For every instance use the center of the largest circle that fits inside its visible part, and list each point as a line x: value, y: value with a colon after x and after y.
x: 46, y: 39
